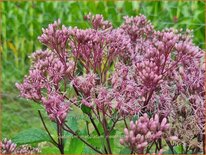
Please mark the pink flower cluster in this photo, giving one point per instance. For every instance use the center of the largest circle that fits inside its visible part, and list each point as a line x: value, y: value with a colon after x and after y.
x: 84, y: 84
x: 153, y: 65
x: 144, y: 131
x: 43, y: 84
x: 126, y: 90
x: 98, y: 21
x: 8, y: 147
x: 56, y: 107
x: 97, y: 49
x: 131, y: 70
x: 55, y: 38
x: 137, y: 27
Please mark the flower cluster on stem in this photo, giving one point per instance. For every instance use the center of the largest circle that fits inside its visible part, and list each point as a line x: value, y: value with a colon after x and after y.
x: 144, y: 132
x: 119, y: 73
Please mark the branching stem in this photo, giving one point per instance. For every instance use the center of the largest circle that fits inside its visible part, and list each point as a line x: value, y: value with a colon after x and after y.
x: 45, y: 127
x: 68, y: 129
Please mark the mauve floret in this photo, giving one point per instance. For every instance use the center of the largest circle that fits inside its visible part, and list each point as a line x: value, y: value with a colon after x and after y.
x: 87, y: 102
x: 85, y: 83
x: 32, y: 85
x: 137, y: 27
x: 27, y: 149
x: 98, y: 21
x: 105, y: 99
x: 50, y: 63
x: 144, y: 131
x: 55, y: 37
x: 92, y: 46
x: 56, y: 107
x: 7, y: 146
x: 126, y: 90
x: 47, y: 70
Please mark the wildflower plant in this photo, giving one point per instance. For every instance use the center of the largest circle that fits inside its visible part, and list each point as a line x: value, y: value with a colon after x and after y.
x: 119, y: 74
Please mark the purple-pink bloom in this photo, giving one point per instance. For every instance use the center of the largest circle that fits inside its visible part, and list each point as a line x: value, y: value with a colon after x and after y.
x: 56, y: 107
x: 143, y: 132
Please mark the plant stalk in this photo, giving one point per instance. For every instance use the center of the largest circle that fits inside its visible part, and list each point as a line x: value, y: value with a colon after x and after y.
x: 170, y: 146
x: 106, y: 133
x: 80, y: 138
x: 60, y: 138
x: 96, y: 129
x: 45, y: 127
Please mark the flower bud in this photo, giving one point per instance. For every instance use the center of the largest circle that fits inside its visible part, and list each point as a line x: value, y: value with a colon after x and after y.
x: 164, y: 121
x: 158, y: 134
x: 133, y: 139
x: 173, y: 138
x: 166, y: 127
x: 160, y: 152
x: 148, y: 135
x: 126, y: 139
x: 144, y: 144
x: 139, y: 146
x: 144, y: 128
x: 132, y: 126
x: 121, y: 141
x: 126, y: 132
x: 141, y: 139
x: 138, y: 137
x: 153, y: 126
x: 131, y: 134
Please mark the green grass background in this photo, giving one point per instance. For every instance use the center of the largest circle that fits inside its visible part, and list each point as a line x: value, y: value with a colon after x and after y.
x: 21, y: 24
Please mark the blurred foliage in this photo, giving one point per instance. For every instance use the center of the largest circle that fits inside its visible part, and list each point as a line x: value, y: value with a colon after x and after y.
x: 21, y: 24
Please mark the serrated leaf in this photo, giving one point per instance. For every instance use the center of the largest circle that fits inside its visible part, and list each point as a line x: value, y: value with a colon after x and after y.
x: 31, y: 136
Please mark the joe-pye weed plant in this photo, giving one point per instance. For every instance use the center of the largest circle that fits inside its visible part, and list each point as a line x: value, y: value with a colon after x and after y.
x: 150, y: 81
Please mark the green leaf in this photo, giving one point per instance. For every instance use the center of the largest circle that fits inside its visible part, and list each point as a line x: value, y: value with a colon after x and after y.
x: 31, y: 136
x: 125, y: 151
x: 128, y: 7
x: 72, y: 122
x: 169, y: 152
x: 101, y: 7
x: 113, y: 132
x: 88, y: 150
x: 96, y: 141
x: 113, y: 140
x: 100, y: 128
x: 50, y: 150
x: 179, y: 149
x: 85, y: 109
x: 75, y: 147
x: 135, y: 118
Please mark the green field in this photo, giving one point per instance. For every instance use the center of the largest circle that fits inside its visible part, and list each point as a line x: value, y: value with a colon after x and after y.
x: 21, y: 24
